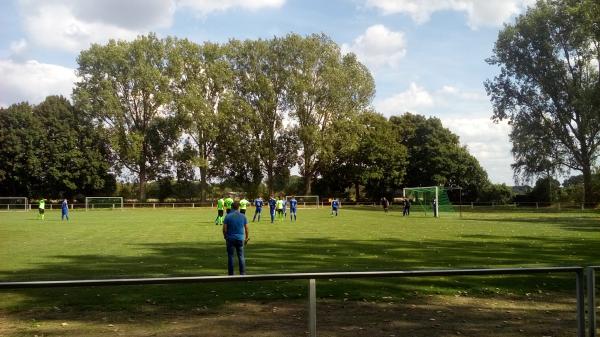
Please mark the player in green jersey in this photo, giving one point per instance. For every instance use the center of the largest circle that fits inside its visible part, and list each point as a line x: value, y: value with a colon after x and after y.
x: 41, y: 208
x: 243, y: 205
x: 279, y: 206
x: 228, y: 203
x: 220, y: 208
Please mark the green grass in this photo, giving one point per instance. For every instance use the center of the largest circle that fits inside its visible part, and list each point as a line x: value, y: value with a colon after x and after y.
x: 185, y: 242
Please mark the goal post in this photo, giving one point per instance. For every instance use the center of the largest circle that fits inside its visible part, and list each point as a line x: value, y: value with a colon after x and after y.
x: 92, y: 203
x: 305, y: 201
x: 14, y: 204
x: 432, y: 200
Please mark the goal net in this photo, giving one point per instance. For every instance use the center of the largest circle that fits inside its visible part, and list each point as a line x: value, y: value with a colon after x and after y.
x: 92, y: 203
x: 305, y: 201
x: 430, y: 200
x: 14, y: 204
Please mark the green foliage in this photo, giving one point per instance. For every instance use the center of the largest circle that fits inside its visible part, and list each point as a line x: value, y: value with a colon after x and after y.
x: 54, y: 150
x: 435, y: 156
x: 125, y: 86
x: 548, y: 87
x: 497, y: 193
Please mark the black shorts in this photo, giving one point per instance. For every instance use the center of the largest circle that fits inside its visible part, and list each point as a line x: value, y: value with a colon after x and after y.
x: 243, y: 211
x: 41, y: 210
x: 220, y: 212
x: 280, y: 211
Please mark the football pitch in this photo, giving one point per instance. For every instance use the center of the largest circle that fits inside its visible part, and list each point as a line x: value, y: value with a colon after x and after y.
x: 186, y: 242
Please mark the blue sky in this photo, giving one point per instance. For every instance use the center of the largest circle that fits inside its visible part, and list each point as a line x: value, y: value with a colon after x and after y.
x: 427, y: 56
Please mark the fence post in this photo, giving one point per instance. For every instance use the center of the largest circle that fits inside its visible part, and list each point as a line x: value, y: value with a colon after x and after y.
x: 193, y: 205
x: 153, y: 205
x: 537, y: 205
x: 582, y: 206
x: 579, y: 283
x: 559, y: 206
x: 591, y: 289
x: 173, y: 205
x: 312, y: 308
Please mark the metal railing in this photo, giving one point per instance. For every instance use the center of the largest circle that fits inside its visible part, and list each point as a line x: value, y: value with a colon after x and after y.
x: 312, y: 277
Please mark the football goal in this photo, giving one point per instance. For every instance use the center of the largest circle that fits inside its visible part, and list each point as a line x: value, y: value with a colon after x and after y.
x: 305, y: 201
x: 14, y: 204
x: 430, y: 200
x: 92, y: 203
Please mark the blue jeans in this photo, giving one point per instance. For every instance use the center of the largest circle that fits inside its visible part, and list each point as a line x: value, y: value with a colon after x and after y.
x: 238, y: 245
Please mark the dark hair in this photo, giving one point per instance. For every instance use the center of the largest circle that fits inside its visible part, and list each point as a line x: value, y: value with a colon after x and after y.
x: 235, y: 205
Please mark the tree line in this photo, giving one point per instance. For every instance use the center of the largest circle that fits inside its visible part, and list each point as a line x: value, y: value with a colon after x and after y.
x: 239, y: 114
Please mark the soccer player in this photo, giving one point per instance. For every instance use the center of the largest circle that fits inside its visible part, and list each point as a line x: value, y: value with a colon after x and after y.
x: 280, y: 204
x: 284, y: 207
x: 64, y: 207
x: 220, y: 208
x: 258, y: 203
x: 385, y: 203
x: 335, y: 204
x: 293, y: 205
x: 228, y: 203
x: 41, y: 208
x: 272, y: 204
x: 243, y: 205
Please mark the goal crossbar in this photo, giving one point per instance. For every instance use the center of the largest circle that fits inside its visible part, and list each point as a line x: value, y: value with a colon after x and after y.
x: 305, y: 201
x: 103, y: 203
x: 14, y: 204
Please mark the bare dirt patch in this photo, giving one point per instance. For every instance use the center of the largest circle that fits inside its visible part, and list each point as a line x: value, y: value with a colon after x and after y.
x: 423, y: 316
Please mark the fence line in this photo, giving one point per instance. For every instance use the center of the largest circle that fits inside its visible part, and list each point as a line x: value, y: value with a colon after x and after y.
x: 312, y: 277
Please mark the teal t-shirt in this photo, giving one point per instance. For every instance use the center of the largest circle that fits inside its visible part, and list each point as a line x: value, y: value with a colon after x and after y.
x: 235, y: 222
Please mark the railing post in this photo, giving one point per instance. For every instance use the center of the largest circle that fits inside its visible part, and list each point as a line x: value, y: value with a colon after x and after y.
x: 591, y: 289
x: 312, y: 308
x: 579, y: 277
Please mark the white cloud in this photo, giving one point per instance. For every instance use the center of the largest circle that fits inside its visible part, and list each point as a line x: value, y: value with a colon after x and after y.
x: 479, y: 12
x: 416, y: 99
x: 32, y: 81
x: 488, y: 142
x: 378, y: 46
x: 73, y: 25
x: 461, y: 111
x: 18, y: 47
x: 207, y: 6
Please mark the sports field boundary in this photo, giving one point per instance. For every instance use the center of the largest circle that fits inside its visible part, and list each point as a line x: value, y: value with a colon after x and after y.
x: 581, y: 274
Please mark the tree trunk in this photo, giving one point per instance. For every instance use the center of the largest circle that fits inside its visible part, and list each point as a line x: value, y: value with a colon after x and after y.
x: 270, y: 177
x: 203, y: 183
x: 307, y: 182
x: 587, y: 183
x: 357, y: 191
x: 142, y: 190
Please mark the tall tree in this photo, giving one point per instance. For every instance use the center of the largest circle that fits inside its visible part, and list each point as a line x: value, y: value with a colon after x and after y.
x: 126, y: 86
x: 202, y: 76
x: 52, y: 149
x: 261, y: 80
x: 323, y: 87
x: 549, y: 81
x: 435, y: 155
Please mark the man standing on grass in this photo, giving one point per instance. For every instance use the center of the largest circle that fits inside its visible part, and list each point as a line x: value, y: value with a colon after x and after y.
x: 64, y: 208
x: 272, y: 204
x: 293, y: 206
x: 41, y: 208
x: 335, y: 204
x: 228, y: 203
x: 243, y: 205
x: 258, y: 203
x: 385, y: 203
x: 280, y: 206
x: 220, y: 209
x: 235, y: 233
x: 406, y: 210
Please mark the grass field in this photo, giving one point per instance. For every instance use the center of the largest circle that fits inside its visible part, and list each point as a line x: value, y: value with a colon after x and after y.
x: 185, y: 242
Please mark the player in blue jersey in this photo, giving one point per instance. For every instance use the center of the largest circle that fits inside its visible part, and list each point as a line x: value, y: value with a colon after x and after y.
x: 272, y: 204
x: 258, y: 203
x: 64, y: 207
x: 293, y: 206
x: 335, y: 204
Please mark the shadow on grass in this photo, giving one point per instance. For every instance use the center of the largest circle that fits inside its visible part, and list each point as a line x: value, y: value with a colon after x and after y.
x: 301, y: 255
x: 575, y: 223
